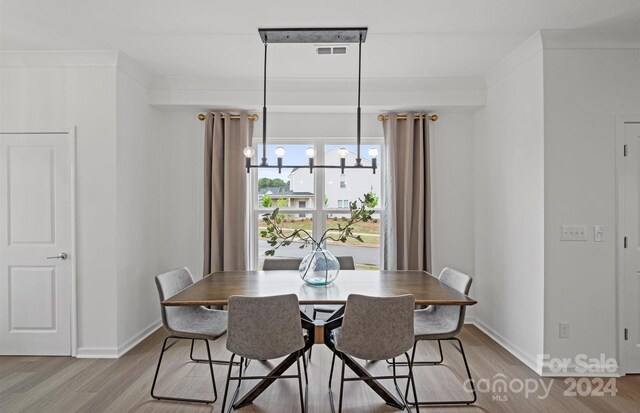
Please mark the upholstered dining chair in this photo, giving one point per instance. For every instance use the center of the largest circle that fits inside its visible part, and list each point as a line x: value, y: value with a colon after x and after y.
x: 264, y: 328
x: 189, y: 323
x: 443, y: 322
x: 375, y: 328
x: 281, y: 264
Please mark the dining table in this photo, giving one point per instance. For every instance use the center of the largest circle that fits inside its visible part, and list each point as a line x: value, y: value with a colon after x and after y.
x: 216, y: 288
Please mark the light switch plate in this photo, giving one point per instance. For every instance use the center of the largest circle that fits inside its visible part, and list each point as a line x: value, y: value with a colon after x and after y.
x: 573, y: 233
x: 598, y: 233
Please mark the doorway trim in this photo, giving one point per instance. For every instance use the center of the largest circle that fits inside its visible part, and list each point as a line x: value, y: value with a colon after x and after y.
x: 71, y: 139
x: 621, y: 120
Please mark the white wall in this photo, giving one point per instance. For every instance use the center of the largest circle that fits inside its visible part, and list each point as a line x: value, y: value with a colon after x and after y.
x: 143, y: 247
x: 509, y: 204
x: 184, y: 135
x: 56, y: 98
x: 452, y: 196
x: 584, y: 88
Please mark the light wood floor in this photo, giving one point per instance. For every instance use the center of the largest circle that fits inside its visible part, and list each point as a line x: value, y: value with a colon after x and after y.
x: 62, y: 384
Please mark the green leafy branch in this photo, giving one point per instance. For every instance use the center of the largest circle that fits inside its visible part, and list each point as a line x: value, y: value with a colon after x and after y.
x: 276, y: 237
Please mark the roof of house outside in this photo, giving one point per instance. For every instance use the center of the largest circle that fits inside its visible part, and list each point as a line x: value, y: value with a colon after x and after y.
x: 281, y: 192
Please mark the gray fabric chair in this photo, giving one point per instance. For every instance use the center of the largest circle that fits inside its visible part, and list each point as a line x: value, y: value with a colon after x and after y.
x: 346, y: 263
x: 193, y: 323
x: 263, y: 328
x: 281, y: 264
x: 443, y: 322
x: 375, y: 328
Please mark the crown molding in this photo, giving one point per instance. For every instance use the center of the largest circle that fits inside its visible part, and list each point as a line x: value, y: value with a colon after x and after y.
x: 58, y: 58
x: 590, y: 39
x: 133, y: 69
x: 77, y: 58
x: 515, y: 59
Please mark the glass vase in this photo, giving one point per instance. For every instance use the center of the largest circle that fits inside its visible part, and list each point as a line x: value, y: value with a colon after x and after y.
x: 319, y: 267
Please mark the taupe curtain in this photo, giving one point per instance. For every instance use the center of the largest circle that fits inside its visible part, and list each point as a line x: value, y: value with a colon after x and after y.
x: 225, y: 192
x: 407, y: 229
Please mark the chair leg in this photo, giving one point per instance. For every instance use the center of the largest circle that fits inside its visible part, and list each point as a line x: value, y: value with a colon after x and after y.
x: 417, y: 403
x: 181, y: 399
x: 413, y: 385
x: 425, y: 362
x: 302, y: 408
x: 213, y: 378
x: 410, y: 381
x: 341, y: 388
x: 304, y: 363
x: 333, y: 361
x: 195, y: 360
x: 226, y: 386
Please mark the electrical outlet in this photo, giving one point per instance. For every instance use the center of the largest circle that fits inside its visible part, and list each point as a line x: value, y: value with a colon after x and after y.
x: 564, y: 330
x: 573, y: 233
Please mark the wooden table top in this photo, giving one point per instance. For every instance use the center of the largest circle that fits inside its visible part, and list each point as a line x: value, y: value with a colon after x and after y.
x: 216, y: 288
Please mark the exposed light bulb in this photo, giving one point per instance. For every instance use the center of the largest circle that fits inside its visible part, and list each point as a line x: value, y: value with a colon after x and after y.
x: 342, y: 153
x: 280, y: 152
x: 373, y: 152
x: 248, y: 151
x: 310, y: 152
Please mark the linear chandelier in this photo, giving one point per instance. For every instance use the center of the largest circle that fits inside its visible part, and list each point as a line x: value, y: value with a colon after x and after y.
x: 315, y: 35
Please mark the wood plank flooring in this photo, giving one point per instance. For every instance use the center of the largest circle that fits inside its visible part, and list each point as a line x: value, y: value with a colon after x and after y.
x: 63, y: 384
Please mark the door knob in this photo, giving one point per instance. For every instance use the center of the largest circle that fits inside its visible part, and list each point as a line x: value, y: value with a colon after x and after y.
x: 61, y: 256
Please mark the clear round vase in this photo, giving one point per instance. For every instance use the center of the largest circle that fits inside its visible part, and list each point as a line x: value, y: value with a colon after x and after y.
x: 319, y: 267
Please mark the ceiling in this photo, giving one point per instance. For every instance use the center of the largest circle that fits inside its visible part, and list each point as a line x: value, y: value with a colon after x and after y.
x: 419, y: 38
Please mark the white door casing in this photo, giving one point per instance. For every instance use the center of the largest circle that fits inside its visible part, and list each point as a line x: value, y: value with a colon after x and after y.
x: 630, y: 248
x: 36, y: 222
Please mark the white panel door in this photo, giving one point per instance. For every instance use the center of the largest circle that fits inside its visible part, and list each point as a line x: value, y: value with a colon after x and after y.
x: 35, y: 244
x: 631, y: 251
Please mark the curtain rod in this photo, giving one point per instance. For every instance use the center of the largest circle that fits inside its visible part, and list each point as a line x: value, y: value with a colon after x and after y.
x: 383, y: 116
x: 253, y: 117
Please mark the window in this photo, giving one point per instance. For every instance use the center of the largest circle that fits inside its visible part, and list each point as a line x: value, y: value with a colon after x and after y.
x: 317, y: 202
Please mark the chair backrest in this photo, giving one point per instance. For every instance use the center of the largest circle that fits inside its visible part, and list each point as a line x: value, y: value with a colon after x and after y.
x: 346, y: 262
x: 263, y: 328
x: 169, y: 284
x: 377, y: 328
x: 274, y: 264
x: 453, y: 315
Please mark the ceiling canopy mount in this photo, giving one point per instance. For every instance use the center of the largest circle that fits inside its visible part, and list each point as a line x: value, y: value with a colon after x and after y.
x: 314, y: 35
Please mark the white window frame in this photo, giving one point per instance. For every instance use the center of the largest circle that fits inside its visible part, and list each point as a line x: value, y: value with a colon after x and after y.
x: 319, y: 213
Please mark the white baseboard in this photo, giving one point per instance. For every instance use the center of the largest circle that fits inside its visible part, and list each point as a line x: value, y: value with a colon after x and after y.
x: 506, y: 344
x: 116, y: 352
x: 571, y: 370
x: 97, y: 353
